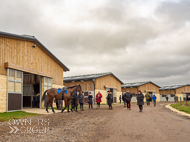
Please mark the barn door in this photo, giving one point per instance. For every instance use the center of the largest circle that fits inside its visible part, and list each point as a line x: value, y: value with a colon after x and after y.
x: 14, y: 89
x: 47, y: 84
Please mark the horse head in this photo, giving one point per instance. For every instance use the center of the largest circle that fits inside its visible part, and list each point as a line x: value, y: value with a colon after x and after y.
x: 79, y: 89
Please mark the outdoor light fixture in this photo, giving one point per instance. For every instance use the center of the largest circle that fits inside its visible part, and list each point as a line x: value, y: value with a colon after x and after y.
x: 34, y: 45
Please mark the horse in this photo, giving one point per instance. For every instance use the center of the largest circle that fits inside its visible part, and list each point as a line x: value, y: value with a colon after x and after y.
x: 52, y: 93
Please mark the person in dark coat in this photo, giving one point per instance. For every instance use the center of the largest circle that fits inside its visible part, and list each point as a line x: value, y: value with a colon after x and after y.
x: 81, y: 101
x: 75, y: 100
x: 140, y: 100
x: 124, y: 99
x: 90, y: 100
x: 148, y: 98
x: 56, y: 101
x: 167, y: 98
x: 109, y: 100
x: 60, y: 104
x: 128, y: 96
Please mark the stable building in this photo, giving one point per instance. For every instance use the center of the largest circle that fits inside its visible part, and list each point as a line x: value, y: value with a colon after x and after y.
x: 175, y: 90
x: 93, y: 83
x: 27, y: 68
x: 145, y: 87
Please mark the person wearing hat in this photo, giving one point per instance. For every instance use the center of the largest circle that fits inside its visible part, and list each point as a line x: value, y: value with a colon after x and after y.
x: 140, y: 100
x: 98, y: 99
x: 90, y: 100
x: 109, y: 100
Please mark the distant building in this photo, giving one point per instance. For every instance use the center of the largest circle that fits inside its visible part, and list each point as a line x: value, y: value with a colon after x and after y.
x: 175, y: 90
x: 147, y: 86
x: 96, y: 82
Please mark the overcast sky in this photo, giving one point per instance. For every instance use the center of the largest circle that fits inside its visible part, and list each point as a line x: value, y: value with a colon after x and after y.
x: 137, y: 40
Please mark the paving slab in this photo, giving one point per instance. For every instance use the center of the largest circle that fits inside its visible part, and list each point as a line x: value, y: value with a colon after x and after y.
x: 41, y: 111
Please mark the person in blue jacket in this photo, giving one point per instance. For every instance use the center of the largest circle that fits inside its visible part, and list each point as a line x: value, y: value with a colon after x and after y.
x: 154, y: 99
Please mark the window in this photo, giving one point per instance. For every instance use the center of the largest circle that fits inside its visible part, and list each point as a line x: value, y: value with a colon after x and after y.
x: 14, y: 81
x: 47, y: 83
x: 163, y: 95
x: 86, y: 94
x: 172, y: 95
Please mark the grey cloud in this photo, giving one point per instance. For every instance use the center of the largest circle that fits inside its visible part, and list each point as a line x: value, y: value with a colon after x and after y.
x: 177, y: 12
x: 133, y: 47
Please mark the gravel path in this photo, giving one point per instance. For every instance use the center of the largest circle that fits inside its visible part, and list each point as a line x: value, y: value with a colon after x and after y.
x: 153, y: 124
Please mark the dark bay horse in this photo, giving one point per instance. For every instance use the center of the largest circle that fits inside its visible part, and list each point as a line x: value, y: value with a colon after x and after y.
x: 52, y: 93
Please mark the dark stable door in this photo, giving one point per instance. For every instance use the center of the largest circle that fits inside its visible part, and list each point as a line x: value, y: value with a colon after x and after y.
x: 14, y: 101
x: 26, y: 101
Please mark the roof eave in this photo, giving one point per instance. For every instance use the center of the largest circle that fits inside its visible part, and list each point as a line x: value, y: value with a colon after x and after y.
x: 32, y: 38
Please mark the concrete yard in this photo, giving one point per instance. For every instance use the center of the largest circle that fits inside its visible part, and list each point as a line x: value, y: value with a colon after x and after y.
x: 154, y: 124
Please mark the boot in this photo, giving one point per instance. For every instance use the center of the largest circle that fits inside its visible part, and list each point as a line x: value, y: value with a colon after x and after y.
x: 141, y: 108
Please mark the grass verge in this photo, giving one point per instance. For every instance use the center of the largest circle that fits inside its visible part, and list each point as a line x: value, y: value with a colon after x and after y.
x: 182, y: 107
x: 6, y: 116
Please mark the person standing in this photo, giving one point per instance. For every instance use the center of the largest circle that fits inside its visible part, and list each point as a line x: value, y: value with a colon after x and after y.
x: 90, y: 100
x: 128, y: 96
x: 154, y: 99
x: 167, y: 98
x: 75, y: 100
x: 147, y: 98
x: 56, y: 101
x: 98, y: 99
x: 81, y: 101
x: 120, y: 99
x: 140, y: 100
x: 109, y: 100
x: 60, y: 104
x: 124, y: 99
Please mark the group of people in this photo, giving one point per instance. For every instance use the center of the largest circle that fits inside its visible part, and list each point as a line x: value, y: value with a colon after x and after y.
x: 126, y: 97
x: 80, y: 98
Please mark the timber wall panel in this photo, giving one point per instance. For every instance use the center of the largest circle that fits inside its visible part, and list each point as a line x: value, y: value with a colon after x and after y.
x: 149, y: 87
x: 182, y: 89
x: 166, y: 92
x: 21, y: 53
x: 86, y: 85
x: 132, y: 90
x: 108, y: 80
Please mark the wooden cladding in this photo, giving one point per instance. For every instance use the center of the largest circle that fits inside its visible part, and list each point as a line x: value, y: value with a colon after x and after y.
x: 86, y: 85
x: 20, y: 55
x: 101, y: 83
x: 16, y: 67
x: 108, y: 80
x: 181, y: 90
x: 149, y: 87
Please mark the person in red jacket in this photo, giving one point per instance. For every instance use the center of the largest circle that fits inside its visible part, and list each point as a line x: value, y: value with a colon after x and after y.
x: 98, y: 99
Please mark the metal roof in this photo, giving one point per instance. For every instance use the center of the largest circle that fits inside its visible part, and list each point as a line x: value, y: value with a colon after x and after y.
x: 172, y: 87
x: 136, y: 84
x: 88, y: 77
x: 32, y: 38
